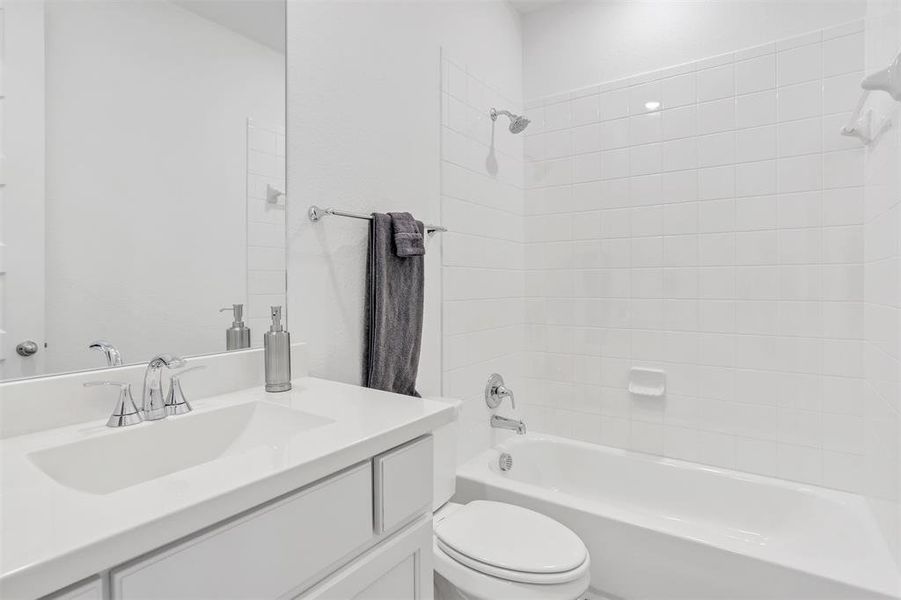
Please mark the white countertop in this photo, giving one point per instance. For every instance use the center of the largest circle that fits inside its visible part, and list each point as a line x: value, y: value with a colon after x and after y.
x: 52, y: 535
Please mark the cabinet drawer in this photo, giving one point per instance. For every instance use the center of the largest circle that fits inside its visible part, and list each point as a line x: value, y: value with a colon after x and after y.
x: 402, y: 483
x: 266, y: 554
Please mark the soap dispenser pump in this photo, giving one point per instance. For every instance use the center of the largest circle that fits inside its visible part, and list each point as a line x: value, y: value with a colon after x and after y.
x: 237, y: 337
x: 277, y: 345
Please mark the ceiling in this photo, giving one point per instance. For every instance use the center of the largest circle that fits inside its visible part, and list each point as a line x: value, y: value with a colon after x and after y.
x: 262, y: 21
x: 527, y: 6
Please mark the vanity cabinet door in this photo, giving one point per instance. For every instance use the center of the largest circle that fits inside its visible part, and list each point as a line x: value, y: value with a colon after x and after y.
x: 403, y: 484
x: 272, y: 552
x: 398, y: 569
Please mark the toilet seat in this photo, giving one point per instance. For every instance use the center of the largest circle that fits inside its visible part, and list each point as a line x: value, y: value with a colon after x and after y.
x: 515, y: 576
x: 512, y: 543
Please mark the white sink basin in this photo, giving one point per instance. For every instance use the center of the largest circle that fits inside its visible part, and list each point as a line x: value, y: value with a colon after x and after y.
x: 147, y: 451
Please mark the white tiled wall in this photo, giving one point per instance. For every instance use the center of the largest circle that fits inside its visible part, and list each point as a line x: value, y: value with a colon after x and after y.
x: 882, y: 267
x: 265, y: 226
x: 481, y: 205
x: 708, y: 220
x: 2, y: 190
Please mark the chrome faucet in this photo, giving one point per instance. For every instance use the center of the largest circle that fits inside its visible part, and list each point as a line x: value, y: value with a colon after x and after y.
x: 112, y: 354
x: 153, y: 401
x: 499, y: 422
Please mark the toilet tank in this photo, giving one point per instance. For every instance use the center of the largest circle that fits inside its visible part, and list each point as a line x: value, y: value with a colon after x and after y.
x: 445, y: 458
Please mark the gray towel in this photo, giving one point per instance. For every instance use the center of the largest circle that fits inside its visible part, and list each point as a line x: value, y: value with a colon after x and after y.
x: 408, y: 238
x: 394, y: 309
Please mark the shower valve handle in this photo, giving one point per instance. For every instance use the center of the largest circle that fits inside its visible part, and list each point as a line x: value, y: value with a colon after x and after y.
x: 496, y: 391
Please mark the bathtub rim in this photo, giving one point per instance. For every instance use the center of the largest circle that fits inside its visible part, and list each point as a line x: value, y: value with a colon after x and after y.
x: 480, y: 469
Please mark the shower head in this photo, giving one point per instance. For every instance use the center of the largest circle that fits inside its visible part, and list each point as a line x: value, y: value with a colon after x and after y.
x: 517, y: 122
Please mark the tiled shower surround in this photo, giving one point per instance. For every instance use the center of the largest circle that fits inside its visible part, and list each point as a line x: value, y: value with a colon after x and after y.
x: 482, y: 252
x: 882, y: 267
x: 706, y: 220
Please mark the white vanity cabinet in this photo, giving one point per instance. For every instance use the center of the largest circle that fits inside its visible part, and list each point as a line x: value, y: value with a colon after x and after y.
x: 365, y: 532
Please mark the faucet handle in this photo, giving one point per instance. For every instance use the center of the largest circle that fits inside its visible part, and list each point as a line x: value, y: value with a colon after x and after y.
x: 496, y: 391
x: 504, y: 392
x: 176, y: 403
x: 125, y: 413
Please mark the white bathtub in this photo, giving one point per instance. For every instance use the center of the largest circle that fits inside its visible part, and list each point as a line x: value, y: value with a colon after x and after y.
x: 660, y: 528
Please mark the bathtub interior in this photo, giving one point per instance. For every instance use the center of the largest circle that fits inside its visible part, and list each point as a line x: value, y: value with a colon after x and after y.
x: 739, y: 506
x: 814, y: 530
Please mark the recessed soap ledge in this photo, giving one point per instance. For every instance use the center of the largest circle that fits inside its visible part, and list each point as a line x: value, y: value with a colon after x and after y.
x: 240, y: 448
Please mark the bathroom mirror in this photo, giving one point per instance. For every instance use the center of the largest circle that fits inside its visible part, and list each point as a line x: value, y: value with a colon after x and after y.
x: 143, y: 182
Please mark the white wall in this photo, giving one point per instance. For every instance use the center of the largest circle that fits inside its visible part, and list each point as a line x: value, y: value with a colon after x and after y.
x: 364, y: 128
x: 147, y: 108
x: 763, y: 345
x: 266, y: 239
x: 882, y: 275
x: 2, y: 191
x: 719, y: 238
x: 482, y: 205
x: 578, y: 43
x: 23, y: 172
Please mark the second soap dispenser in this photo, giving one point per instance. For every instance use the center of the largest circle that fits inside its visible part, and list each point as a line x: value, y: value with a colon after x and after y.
x: 237, y: 337
x: 277, y: 345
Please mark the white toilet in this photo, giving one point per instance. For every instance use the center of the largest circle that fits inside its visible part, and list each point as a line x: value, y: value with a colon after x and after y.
x: 496, y: 551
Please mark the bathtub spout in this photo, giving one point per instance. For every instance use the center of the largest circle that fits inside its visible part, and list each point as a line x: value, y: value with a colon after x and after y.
x: 499, y: 422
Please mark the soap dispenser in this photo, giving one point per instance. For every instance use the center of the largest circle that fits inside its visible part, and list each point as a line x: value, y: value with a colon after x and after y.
x: 277, y: 345
x: 237, y: 336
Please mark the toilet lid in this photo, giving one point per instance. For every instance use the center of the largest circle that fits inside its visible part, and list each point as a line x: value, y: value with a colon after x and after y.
x: 511, y: 538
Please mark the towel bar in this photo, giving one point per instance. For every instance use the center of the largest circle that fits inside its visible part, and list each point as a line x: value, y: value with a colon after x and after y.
x: 316, y: 214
